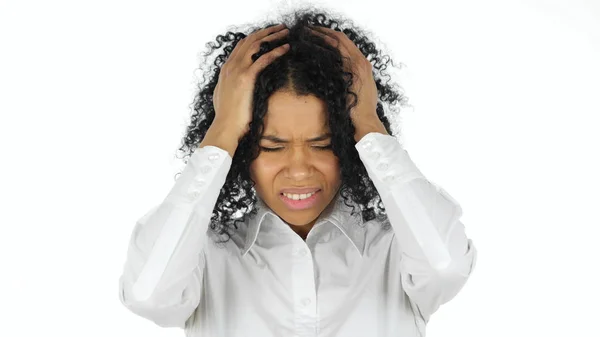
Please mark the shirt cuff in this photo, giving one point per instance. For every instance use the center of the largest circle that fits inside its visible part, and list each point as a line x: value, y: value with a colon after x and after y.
x: 385, y: 159
x: 208, y: 166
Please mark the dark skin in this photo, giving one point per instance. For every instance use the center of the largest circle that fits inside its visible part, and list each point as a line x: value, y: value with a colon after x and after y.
x: 299, y: 163
x: 296, y: 153
x: 363, y: 115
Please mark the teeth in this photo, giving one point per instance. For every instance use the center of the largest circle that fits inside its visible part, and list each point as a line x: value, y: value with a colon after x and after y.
x: 299, y: 196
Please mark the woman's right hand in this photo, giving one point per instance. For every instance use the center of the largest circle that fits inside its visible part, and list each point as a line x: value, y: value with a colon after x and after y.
x: 232, y: 98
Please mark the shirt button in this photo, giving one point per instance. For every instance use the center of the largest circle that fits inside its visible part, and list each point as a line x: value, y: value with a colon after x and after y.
x: 375, y: 155
x: 389, y: 178
x: 306, y: 301
x: 195, y: 189
x: 367, y: 145
x: 194, y: 194
x: 301, y: 252
x: 205, y: 169
x: 382, y: 166
x: 213, y: 156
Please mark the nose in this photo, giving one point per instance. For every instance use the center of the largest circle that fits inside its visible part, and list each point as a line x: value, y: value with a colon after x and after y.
x: 299, y: 166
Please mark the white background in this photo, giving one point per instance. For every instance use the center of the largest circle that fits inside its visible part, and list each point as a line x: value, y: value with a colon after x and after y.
x: 95, y: 96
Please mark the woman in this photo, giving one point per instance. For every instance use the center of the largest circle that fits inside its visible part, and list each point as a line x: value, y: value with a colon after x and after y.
x: 298, y: 212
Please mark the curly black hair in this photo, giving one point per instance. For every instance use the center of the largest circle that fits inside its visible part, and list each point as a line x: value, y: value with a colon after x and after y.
x: 310, y: 67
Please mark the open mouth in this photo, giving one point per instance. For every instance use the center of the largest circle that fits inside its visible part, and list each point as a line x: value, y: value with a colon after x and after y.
x: 300, y: 201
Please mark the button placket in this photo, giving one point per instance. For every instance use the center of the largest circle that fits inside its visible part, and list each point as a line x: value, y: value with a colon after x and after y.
x: 303, y: 283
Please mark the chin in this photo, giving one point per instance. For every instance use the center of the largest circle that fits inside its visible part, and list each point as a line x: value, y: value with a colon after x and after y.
x: 306, y: 217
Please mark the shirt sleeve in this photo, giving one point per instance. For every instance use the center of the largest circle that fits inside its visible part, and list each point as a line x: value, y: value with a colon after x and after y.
x: 163, y: 271
x: 437, y: 257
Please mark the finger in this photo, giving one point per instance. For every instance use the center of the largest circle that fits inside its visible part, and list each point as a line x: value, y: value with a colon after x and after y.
x: 267, y: 31
x: 240, y: 45
x: 325, y: 30
x: 332, y: 38
x: 255, y: 47
x: 258, y: 35
x: 276, y: 36
x: 315, y: 30
x: 266, y: 59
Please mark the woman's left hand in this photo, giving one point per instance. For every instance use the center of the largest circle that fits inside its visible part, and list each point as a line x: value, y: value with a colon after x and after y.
x: 364, y: 114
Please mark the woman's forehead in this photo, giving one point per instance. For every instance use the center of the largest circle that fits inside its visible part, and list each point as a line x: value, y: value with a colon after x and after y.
x: 285, y: 105
x: 292, y: 116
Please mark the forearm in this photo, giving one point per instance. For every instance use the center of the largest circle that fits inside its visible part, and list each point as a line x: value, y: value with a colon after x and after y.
x: 161, y: 278
x: 407, y: 201
x: 437, y: 256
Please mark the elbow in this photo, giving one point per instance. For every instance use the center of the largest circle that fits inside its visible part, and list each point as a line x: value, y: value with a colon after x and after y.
x: 171, y: 310
x: 453, y: 277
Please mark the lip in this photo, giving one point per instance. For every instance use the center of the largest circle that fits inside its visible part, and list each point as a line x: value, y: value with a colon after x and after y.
x: 300, y: 204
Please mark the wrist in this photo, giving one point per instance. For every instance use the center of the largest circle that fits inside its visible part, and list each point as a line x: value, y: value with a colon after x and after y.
x: 221, y: 136
x: 365, y: 127
x: 230, y: 129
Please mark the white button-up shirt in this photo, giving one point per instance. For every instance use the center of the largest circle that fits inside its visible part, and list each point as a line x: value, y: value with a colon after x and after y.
x: 347, y: 279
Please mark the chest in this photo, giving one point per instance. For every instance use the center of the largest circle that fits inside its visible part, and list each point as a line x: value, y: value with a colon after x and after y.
x: 328, y: 289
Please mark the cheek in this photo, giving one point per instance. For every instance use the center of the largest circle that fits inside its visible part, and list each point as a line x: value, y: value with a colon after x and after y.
x: 331, y: 169
x: 263, y: 171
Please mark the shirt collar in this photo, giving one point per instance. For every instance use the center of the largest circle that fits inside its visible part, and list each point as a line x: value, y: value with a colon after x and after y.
x: 337, y: 213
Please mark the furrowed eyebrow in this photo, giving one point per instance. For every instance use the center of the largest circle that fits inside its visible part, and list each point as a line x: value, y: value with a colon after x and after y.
x: 276, y: 139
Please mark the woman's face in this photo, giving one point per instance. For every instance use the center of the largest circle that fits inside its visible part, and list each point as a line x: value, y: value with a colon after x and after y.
x: 302, y: 160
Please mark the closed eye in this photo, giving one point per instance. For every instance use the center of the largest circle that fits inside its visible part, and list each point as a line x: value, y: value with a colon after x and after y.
x: 269, y: 149
x: 323, y: 148
x: 275, y: 149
